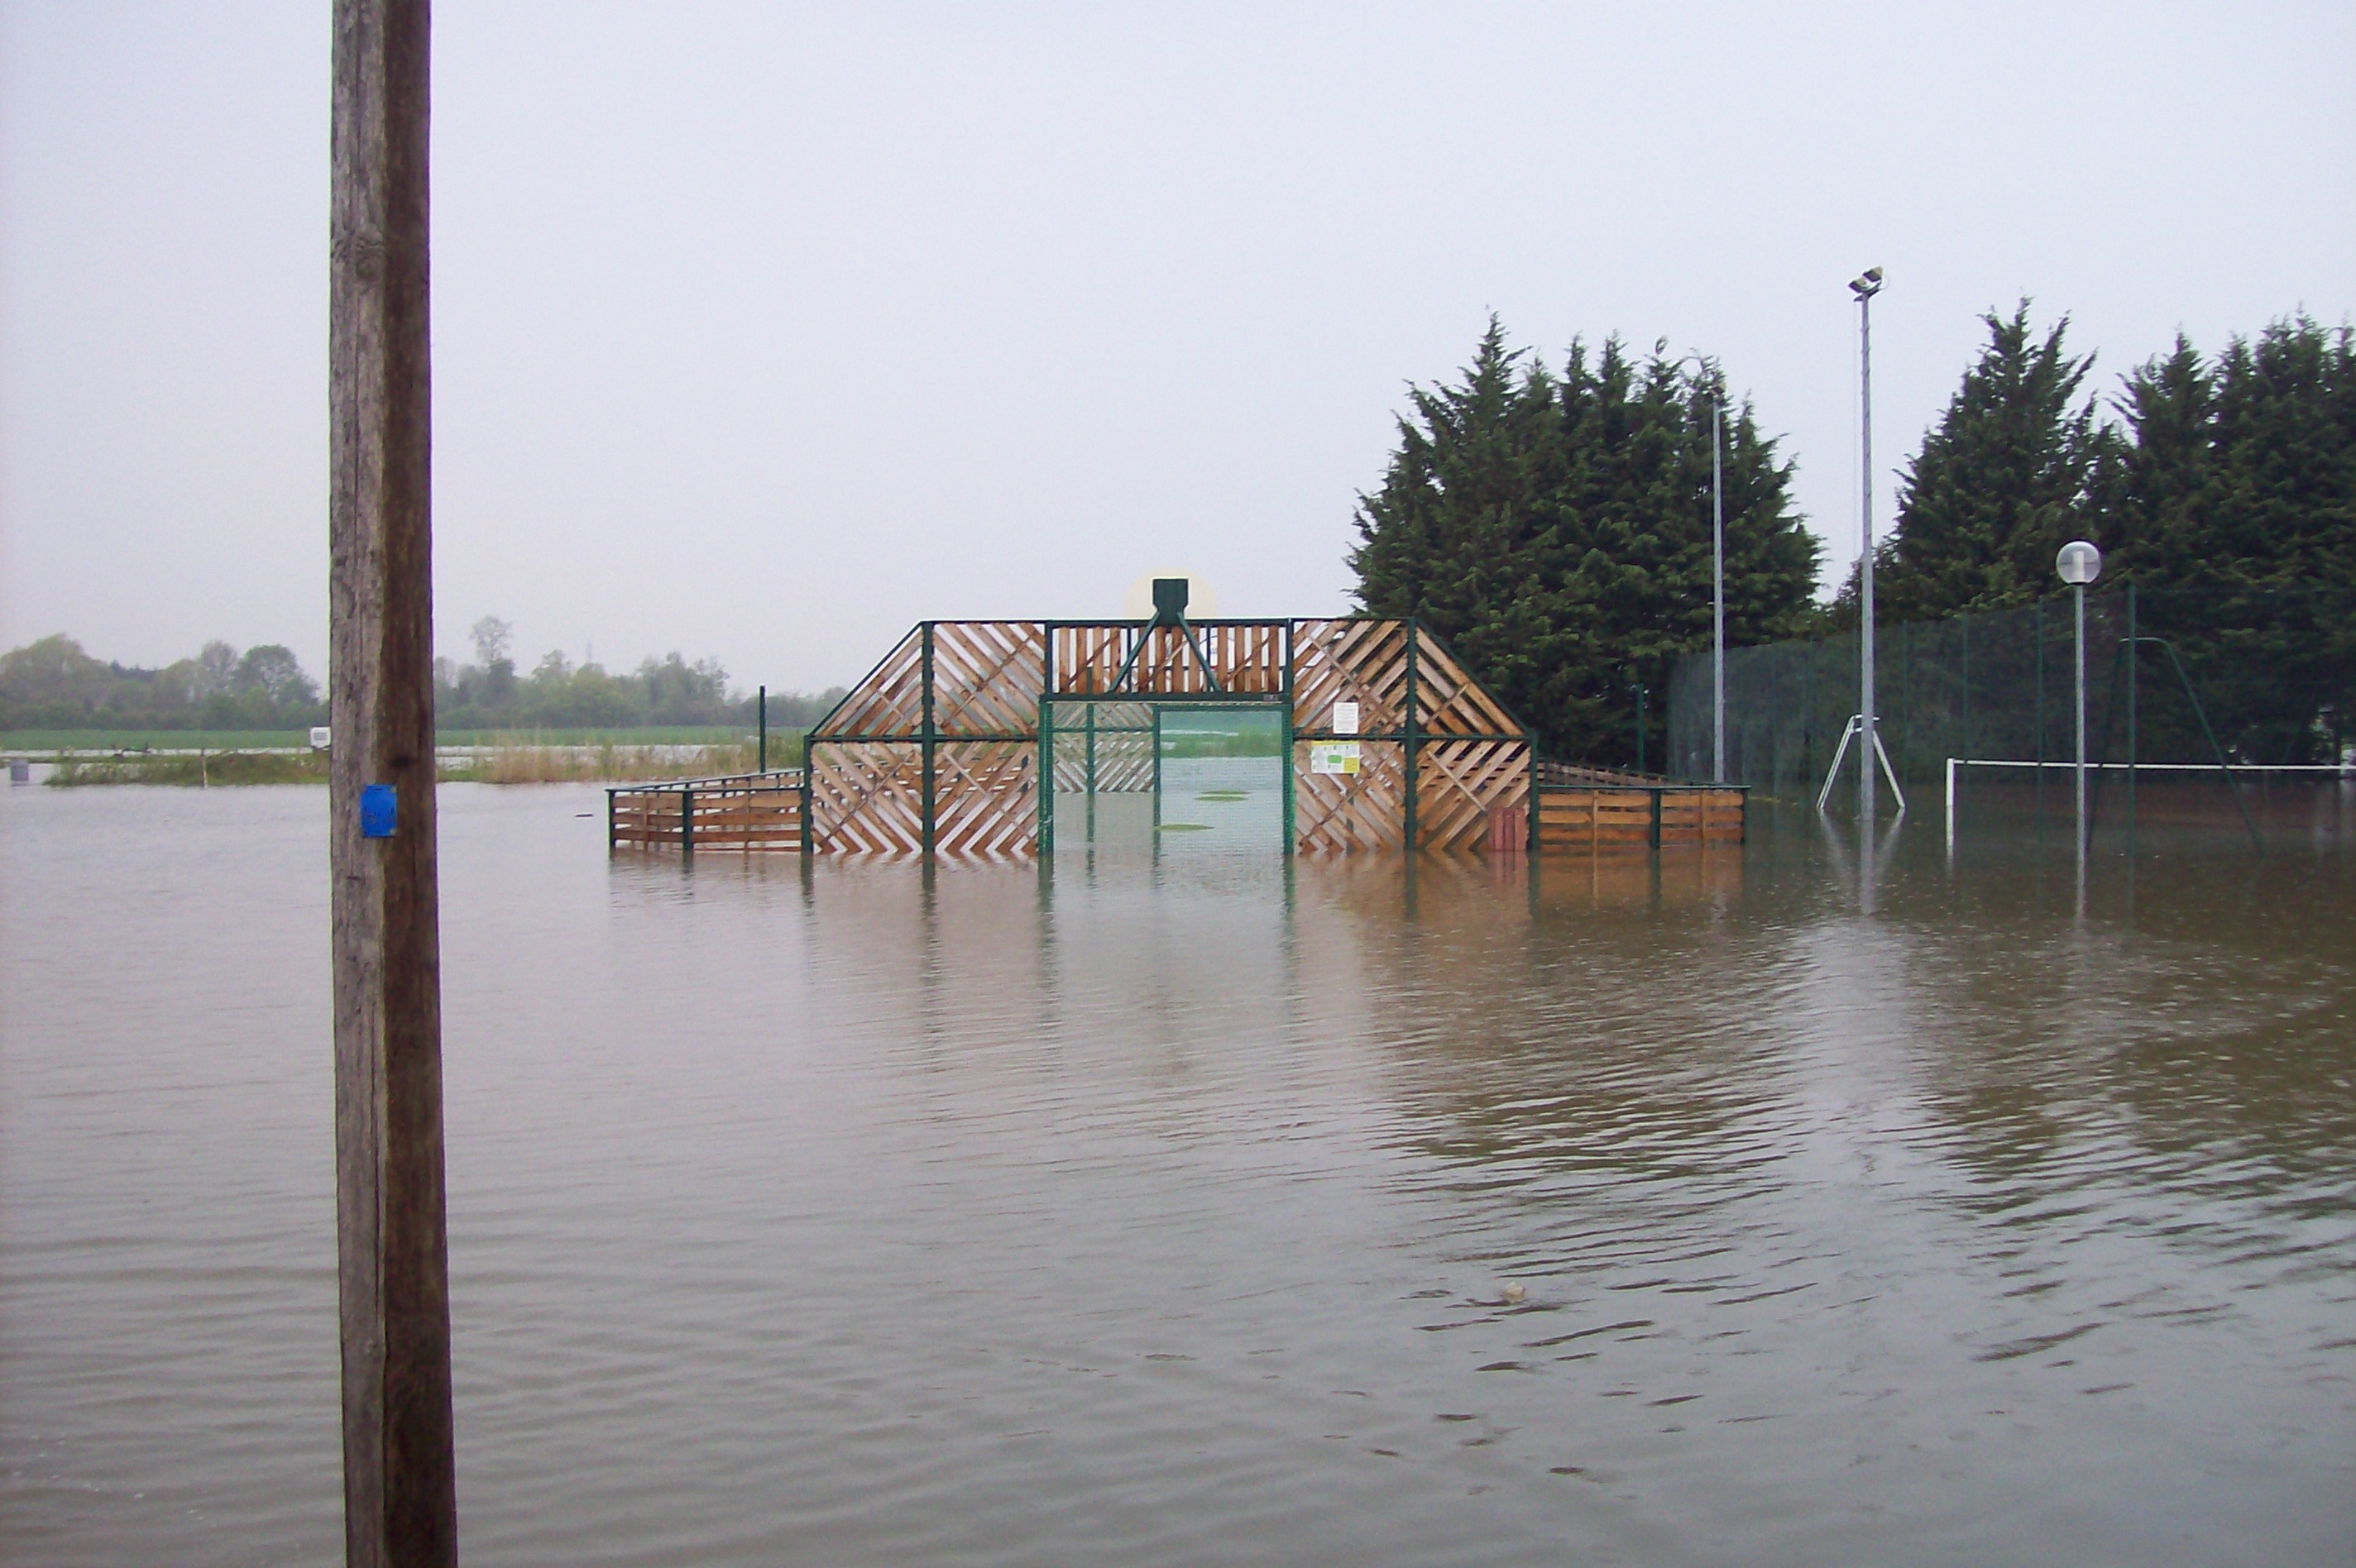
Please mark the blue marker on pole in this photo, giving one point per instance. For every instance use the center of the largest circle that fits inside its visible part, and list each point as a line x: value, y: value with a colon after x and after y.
x: 377, y: 806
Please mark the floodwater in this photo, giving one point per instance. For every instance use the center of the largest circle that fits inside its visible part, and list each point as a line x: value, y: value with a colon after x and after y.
x: 1864, y: 1207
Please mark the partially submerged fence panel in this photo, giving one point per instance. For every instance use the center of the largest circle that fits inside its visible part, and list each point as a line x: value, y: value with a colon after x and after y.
x: 1472, y: 758
x: 864, y: 795
x: 986, y: 797
x: 1337, y: 813
x: 1597, y: 808
x: 1108, y: 751
x: 750, y: 811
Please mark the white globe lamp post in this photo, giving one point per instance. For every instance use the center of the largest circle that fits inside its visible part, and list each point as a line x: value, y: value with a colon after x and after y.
x: 2080, y: 563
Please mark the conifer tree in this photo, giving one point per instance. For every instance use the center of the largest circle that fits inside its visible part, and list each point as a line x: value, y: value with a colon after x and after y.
x: 2008, y: 476
x: 2160, y: 493
x: 2233, y: 509
x: 1554, y: 531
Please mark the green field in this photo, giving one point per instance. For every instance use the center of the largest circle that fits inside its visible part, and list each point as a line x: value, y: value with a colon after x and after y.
x: 151, y: 740
x: 17, y: 740
x: 189, y: 768
x: 1207, y: 732
x: 643, y: 735
x: 504, y: 757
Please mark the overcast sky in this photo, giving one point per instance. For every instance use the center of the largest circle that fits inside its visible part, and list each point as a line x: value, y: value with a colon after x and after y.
x: 764, y: 331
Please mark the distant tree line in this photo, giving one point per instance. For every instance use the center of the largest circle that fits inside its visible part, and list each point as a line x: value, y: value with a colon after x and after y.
x: 490, y: 693
x: 1554, y: 529
x: 53, y: 683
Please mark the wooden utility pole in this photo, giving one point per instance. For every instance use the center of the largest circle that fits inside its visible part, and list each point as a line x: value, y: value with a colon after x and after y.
x: 392, y: 1254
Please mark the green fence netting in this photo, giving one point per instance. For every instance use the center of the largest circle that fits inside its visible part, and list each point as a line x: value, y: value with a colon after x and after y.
x: 2272, y: 670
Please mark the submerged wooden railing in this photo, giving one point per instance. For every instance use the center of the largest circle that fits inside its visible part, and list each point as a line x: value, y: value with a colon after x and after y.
x: 1603, y: 808
x: 742, y: 811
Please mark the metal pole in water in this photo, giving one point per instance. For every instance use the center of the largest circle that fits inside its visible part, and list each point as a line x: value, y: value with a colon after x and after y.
x: 929, y: 780
x: 2078, y: 564
x: 1718, y: 587
x: 2040, y: 617
x: 1412, y: 830
x: 2081, y: 775
x: 764, y: 760
x: 1865, y: 286
x: 1951, y: 808
x: 2134, y: 654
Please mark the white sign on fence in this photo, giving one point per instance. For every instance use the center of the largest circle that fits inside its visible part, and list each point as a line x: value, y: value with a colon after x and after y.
x: 1333, y: 757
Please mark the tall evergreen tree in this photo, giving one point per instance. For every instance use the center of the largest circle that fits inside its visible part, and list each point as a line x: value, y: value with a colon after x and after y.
x: 1556, y: 532
x: 2233, y: 511
x: 2159, y: 495
x: 2008, y: 476
x: 2286, y: 422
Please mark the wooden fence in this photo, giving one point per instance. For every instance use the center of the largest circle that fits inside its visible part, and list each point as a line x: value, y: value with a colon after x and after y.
x: 1638, y: 815
x: 744, y: 812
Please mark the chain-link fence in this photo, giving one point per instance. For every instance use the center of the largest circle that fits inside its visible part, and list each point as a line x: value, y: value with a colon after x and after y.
x: 2271, y: 673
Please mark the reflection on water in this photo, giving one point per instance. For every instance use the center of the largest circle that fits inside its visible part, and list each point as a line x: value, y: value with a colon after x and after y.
x: 1164, y: 1205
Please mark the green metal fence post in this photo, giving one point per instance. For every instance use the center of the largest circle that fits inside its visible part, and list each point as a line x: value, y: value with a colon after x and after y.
x: 1530, y: 840
x: 2121, y: 655
x: 1047, y: 777
x: 1807, y: 722
x: 2210, y: 736
x: 2038, y: 618
x: 686, y: 822
x: 1968, y: 685
x: 2135, y: 657
x: 1289, y: 817
x: 1046, y: 727
x: 1089, y: 767
x: 809, y: 829
x: 763, y: 759
x: 1408, y: 741
x: 925, y: 741
x: 1905, y: 696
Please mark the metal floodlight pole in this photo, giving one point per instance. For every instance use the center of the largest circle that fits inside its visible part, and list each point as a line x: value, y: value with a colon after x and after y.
x: 1716, y: 565
x: 1717, y: 585
x: 2078, y: 563
x: 1865, y: 286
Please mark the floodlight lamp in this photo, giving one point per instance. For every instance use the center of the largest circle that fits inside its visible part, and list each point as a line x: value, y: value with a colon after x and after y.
x: 1169, y: 596
x: 2078, y: 563
x: 1868, y: 283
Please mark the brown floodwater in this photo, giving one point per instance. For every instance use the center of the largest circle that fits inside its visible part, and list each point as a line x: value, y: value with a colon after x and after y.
x: 1865, y: 1206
